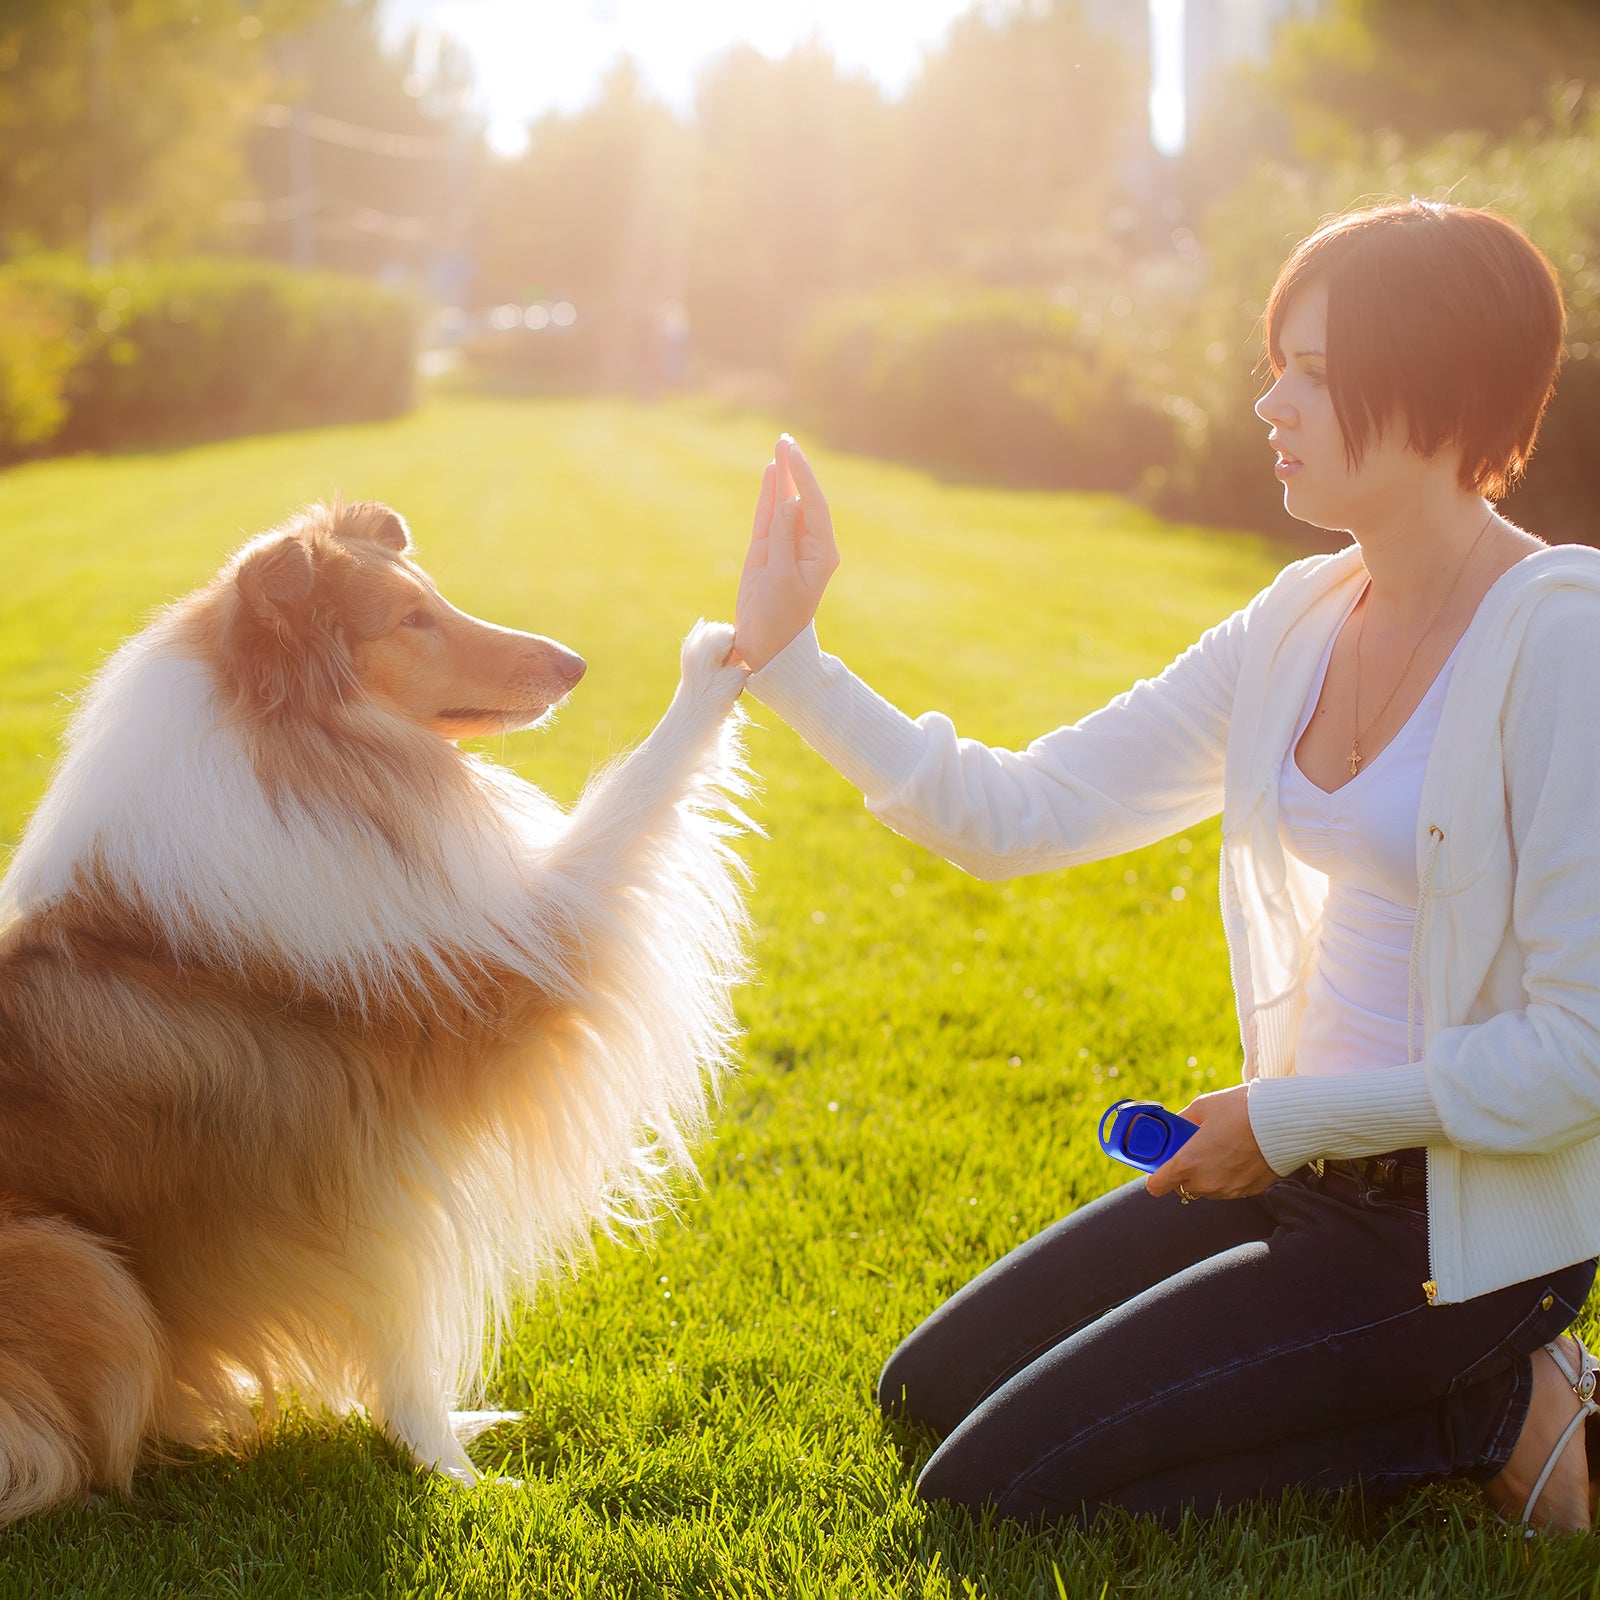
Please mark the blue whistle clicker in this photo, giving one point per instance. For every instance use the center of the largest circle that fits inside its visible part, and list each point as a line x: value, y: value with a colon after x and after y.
x: 1144, y: 1133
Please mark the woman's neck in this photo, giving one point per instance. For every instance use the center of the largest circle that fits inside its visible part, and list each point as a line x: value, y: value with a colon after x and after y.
x: 1416, y: 552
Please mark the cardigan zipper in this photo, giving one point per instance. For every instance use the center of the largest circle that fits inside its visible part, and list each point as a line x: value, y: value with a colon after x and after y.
x: 1430, y: 1287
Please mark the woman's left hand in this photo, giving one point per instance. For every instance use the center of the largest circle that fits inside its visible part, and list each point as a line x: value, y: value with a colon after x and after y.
x: 1222, y: 1161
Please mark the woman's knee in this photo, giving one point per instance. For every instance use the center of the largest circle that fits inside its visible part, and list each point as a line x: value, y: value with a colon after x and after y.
x: 902, y: 1382
x: 955, y: 1476
x: 914, y: 1386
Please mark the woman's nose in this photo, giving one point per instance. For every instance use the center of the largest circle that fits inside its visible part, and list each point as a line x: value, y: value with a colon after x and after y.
x: 1274, y: 409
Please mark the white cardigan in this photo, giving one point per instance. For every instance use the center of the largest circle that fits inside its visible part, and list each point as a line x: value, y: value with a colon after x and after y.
x: 1504, y: 1087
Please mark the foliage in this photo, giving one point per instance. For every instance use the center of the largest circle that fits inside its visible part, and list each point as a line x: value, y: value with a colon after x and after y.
x: 796, y: 182
x: 37, y: 355
x: 594, y: 213
x: 1422, y: 69
x: 926, y: 1055
x: 545, y: 360
x: 1548, y: 184
x: 374, y: 160
x: 1003, y: 386
x: 1018, y: 124
x: 790, y: 164
x: 122, y: 121
x: 195, y: 349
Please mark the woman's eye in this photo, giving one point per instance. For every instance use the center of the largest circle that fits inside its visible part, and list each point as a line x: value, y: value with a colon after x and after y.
x: 1320, y: 379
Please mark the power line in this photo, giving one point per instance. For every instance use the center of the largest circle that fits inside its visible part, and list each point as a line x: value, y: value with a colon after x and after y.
x: 351, y: 136
x: 353, y: 220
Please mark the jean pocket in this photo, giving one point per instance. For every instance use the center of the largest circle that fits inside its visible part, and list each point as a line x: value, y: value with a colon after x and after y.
x: 1547, y: 1312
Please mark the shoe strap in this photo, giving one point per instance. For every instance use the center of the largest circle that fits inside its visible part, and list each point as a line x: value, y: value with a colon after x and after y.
x: 1583, y: 1383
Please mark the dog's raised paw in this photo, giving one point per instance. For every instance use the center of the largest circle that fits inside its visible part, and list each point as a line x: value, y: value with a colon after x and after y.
x: 704, y: 659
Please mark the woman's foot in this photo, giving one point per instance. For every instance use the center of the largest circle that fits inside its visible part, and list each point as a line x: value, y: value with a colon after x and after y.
x: 1564, y: 1504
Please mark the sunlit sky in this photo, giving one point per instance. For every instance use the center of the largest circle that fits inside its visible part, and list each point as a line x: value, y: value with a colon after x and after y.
x: 531, y: 56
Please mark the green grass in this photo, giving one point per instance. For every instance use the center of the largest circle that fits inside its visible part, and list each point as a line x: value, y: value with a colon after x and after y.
x: 925, y: 1060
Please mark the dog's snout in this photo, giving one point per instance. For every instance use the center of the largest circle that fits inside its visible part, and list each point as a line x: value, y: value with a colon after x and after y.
x: 569, y: 666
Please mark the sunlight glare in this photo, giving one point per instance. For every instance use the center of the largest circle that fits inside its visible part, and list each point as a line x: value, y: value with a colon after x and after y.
x: 534, y: 57
x: 1168, y: 111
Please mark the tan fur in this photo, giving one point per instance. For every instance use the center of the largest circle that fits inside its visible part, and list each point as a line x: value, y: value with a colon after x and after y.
x: 226, y: 1170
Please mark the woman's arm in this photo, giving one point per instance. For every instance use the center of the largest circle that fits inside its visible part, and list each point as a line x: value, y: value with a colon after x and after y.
x: 1147, y: 765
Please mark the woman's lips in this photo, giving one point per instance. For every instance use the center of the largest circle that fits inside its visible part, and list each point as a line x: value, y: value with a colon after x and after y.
x: 1287, y: 466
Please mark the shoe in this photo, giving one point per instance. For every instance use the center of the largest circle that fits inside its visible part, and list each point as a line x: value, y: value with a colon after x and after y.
x: 1584, y: 1382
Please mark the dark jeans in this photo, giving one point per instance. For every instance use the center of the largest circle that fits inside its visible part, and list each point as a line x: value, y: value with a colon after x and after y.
x: 1151, y: 1355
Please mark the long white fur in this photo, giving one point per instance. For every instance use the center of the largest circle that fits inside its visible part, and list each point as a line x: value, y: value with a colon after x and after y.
x: 156, y: 791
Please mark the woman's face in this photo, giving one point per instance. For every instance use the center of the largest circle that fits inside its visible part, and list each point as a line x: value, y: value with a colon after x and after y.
x: 1319, y: 484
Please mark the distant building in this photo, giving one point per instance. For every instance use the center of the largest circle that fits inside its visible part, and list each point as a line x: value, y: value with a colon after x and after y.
x: 1219, y: 33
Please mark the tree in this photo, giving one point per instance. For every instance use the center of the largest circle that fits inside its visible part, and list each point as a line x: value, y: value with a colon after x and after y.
x: 1020, y: 125
x: 373, y: 158
x: 122, y: 121
x: 592, y: 211
x: 788, y: 196
x: 1422, y: 69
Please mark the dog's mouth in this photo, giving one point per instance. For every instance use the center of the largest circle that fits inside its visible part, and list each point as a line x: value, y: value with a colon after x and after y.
x: 475, y: 714
x: 505, y: 718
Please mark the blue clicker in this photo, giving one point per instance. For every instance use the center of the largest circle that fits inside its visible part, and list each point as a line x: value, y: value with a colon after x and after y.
x: 1143, y: 1133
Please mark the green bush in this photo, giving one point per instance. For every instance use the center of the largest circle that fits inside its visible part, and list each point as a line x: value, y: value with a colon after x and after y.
x: 37, y: 354
x: 547, y: 360
x: 194, y: 349
x: 999, y: 386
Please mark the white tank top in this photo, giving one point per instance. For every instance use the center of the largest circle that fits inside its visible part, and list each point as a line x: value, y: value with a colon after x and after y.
x: 1364, y: 837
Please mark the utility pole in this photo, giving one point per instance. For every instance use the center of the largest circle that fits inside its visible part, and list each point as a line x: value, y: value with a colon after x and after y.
x: 303, y: 249
x: 100, y: 35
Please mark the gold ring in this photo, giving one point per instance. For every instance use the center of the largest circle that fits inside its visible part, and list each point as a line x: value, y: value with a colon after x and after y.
x: 1184, y: 1197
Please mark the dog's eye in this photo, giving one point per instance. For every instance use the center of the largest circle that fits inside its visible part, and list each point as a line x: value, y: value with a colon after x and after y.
x: 416, y: 619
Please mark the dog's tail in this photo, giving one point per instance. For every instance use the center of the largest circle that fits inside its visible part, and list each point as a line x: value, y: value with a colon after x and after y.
x: 80, y: 1361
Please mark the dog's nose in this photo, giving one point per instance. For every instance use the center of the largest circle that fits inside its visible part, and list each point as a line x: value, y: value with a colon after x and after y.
x: 570, y: 666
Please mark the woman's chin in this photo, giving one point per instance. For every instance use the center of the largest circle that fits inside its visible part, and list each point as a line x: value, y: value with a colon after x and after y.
x: 1304, y: 508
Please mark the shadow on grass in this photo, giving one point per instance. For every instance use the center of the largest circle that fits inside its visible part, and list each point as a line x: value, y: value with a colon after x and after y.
x: 331, y: 1509
x: 315, y: 1509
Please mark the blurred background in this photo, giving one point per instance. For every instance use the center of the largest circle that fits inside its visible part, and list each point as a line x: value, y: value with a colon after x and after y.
x: 1022, y: 242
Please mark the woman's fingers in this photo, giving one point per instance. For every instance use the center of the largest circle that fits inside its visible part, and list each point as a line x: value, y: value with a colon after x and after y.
x: 755, y: 558
x: 819, y: 555
x: 806, y: 486
x: 780, y: 458
x: 765, y: 501
x: 781, y: 543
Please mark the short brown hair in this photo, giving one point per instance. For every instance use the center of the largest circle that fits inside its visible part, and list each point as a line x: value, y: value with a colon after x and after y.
x: 1446, y: 318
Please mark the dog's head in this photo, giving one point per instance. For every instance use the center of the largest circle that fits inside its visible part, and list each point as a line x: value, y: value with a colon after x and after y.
x: 332, y: 608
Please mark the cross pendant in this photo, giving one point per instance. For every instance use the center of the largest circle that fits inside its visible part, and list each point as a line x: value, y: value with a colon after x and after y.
x: 1355, y: 760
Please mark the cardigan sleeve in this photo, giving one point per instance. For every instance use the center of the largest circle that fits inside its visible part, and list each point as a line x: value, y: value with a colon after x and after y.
x: 1526, y: 1080
x: 1144, y: 766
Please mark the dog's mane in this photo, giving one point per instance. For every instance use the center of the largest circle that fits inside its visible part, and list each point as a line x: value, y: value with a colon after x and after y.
x: 367, y: 857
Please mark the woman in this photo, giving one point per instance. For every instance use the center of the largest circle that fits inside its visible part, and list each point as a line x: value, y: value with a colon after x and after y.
x: 1397, y: 1212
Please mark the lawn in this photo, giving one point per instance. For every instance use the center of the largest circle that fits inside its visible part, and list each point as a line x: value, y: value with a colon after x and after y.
x: 926, y: 1055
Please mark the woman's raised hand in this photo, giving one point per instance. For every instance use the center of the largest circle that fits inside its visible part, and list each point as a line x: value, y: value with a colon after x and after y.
x: 792, y: 555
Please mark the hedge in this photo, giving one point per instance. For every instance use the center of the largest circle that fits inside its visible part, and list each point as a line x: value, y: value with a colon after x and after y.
x: 193, y: 349
x: 993, y: 385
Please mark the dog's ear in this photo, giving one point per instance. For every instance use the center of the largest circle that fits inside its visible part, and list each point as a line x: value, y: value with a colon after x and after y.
x: 276, y: 578
x: 369, y: 519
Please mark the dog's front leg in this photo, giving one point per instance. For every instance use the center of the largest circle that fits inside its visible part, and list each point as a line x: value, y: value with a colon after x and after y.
x: 690, y: 759
x: 421, y: 1424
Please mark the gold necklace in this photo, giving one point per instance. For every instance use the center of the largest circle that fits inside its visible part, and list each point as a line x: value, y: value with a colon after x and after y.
x: 1355, y: 757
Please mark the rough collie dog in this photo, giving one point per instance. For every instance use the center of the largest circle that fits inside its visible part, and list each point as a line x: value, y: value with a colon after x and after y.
x: 320, y: 1038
